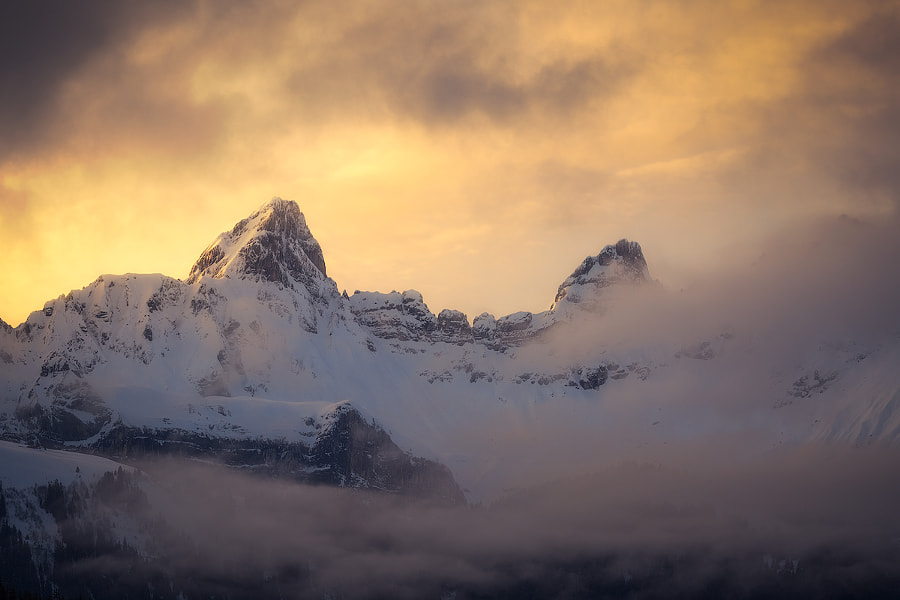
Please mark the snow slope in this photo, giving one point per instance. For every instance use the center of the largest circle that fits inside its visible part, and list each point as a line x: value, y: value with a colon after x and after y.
x: 24, y: 467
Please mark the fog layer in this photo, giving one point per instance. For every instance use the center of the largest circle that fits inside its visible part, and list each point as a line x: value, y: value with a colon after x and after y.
x: 667, y: 531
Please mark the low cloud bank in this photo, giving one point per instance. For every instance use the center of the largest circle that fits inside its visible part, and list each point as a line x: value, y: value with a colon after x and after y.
x: 784, y: 523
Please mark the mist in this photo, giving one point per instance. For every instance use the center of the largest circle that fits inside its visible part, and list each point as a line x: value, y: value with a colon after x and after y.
x: 793, y: 522
x: 717, y: 366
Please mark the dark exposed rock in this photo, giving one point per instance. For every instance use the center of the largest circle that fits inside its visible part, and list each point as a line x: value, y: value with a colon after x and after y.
x: 348, y: 452
x: 590, y: 378
x: 403, y: 317
x: 513, y: 323
x: 286, y: 222
x: 170, y: 293
x: 268, y: 259
x: 209, y: 257
x: 483, y: 327
x: 281, y: 249
x: 624, y: 262
x: 509, y: 330
x: 633, y: 257
x: 806, y: 385
x: 354, y: 453
x: 76, y: 413
x: 53, y: 364
x: 453, y: 326
x: 198, y: 305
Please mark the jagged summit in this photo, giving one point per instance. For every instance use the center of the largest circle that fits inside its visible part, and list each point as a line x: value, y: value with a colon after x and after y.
x: 273, y: 244
x: 622, y: 262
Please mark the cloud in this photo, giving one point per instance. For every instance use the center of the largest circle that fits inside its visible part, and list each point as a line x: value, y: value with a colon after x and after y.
x: 458, y: 65
x: 832, y: 139
x: 869, y: 136
x: 45, y: 47
x: 454, y: 89
x: 631, y: 527
x: 685, y: 126
x: 811, y: 302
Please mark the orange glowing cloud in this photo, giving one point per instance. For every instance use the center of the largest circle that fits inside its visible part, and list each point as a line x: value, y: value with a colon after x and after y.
x: 475, y: 151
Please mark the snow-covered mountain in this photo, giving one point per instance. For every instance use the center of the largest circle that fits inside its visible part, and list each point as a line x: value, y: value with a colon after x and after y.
x: 258, y: 359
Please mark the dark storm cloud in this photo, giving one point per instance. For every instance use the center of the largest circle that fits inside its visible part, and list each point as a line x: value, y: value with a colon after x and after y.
x: 442, y: 66
x: 869, y: 56
x: 67, y: 78
x: 44, y: 45
x: 844, y: 117
x: 452, y: 90
x: 873, y: 44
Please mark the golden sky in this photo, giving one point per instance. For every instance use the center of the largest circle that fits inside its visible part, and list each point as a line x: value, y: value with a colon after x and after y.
x: 476, y: 151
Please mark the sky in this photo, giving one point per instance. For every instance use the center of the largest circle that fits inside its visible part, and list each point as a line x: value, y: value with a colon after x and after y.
x: 474, y: 151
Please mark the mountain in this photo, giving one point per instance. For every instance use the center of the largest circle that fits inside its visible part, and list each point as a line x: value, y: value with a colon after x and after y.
x: 257, y: 360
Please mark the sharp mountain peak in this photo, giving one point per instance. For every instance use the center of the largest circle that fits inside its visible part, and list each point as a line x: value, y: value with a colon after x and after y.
x: 272, y: 244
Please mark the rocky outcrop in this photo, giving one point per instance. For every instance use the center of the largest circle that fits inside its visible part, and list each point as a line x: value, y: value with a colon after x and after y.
x: 507, y: 331
x: 351, y: 452
x: 453, y: 327
x: 347, y: 451
x: 403, y: 317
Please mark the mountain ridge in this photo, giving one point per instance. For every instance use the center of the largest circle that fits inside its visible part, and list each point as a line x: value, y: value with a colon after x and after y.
x: 149, y: 357
x: 258, y: 353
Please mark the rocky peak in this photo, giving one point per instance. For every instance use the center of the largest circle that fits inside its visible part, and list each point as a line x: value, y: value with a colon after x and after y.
x: 633, y: 259
x: 273, y: 244
x: 622, y: 262
x: 453, y: 327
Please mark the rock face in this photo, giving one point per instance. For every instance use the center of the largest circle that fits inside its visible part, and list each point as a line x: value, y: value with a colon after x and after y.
x: 273, y: 244
x: 343, y: 449
x: 453, y: 327
x: 349, y: 451
x: 616, y: 264
x: 403, y: 317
